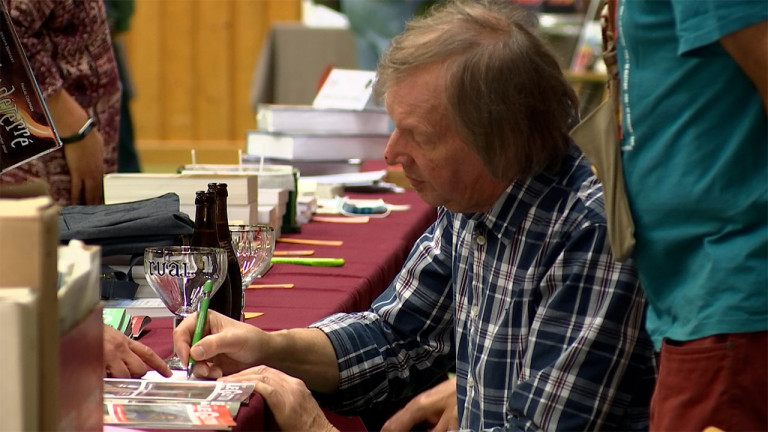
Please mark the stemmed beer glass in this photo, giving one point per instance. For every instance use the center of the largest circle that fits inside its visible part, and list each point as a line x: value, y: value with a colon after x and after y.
x: 178, y: 273
x: 254, y: 246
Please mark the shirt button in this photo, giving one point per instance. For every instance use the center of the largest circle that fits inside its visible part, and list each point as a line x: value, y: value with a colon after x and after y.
x: 473, y: 311
x: 470, y: 382
x: 480, y: 240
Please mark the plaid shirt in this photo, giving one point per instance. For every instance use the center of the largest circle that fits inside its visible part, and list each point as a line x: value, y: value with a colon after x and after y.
x: 544, y: 328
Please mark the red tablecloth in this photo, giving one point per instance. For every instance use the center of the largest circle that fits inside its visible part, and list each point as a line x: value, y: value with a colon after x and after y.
x: 373, y: 254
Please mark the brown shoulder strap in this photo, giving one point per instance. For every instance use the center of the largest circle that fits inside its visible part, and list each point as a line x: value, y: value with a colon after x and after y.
x: 608, y: 24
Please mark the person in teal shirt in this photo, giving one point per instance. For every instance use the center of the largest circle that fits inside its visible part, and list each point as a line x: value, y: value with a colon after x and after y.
x: 695, y: 153
x: 375, y: 22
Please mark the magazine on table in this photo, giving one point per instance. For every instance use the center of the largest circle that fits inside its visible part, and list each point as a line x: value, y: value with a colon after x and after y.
x: 168, y: 415
x: 176, y: 390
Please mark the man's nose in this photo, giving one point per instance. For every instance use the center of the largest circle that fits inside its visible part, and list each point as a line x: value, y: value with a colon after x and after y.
x: 394, y: 153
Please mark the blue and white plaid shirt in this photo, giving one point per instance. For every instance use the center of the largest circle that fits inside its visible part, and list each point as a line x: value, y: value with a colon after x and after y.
x: 544, y: 328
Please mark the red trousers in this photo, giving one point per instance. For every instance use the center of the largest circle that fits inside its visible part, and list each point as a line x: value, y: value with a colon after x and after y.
x: 719, y: 381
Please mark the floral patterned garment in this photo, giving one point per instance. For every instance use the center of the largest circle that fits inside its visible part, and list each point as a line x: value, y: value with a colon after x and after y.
x: 68, y: 45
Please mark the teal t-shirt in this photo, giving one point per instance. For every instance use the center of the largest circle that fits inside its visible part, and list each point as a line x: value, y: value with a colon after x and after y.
x: 695, y: 154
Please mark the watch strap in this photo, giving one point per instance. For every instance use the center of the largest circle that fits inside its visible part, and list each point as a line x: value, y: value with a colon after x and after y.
x: 81, y: 134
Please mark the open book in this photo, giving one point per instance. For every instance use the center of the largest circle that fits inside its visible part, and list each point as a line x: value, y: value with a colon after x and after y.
x: 164, y: 415
x: 172, y: 403
x: 192, y: 390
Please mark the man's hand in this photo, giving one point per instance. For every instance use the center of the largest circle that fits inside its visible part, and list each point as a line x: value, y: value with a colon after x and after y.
x: 228, y: 346
x: 127, y: 358
x: 288, y: 398
x: 436, y: 407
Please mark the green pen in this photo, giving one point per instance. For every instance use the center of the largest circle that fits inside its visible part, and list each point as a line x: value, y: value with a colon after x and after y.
x: 317, y: 262
x: 202, y: 315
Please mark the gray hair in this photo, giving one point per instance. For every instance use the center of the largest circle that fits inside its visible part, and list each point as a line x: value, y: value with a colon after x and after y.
x: 505, y: 92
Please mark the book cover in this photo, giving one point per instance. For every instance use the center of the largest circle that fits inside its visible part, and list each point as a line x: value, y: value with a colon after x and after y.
x: 26, y: 128
x: 176, y: 415
x: 306, y: 118
x: 115, y: 388
x: 315, y: 146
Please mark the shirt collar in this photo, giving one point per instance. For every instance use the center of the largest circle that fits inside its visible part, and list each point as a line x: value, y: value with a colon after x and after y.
x: 512, y: 206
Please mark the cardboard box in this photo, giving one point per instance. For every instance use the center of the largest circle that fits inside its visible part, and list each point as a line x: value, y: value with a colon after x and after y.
x: 295, y: 59
x: 28, y: 258
x: 81, y: 375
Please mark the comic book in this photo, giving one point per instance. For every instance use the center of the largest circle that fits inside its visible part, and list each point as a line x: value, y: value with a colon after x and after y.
x: 26, y: 128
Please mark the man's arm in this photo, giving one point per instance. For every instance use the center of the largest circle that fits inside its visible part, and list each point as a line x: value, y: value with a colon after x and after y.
x: 231, y: 346
x: 587, y: 353
x: 436, y: 408
x: 749, y: 48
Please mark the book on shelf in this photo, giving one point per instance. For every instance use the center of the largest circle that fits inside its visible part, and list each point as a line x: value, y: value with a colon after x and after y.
x: 28, y: 131
x: 20, y: 386
x: 307, y: 118
x: 174, y: 415
x: 315, y: 146
x: 127, y: 187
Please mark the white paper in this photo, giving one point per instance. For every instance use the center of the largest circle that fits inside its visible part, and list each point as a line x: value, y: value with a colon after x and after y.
x: 346, y: 89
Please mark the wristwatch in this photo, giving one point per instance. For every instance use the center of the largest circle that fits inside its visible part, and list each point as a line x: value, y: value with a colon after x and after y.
x: 81, y: 134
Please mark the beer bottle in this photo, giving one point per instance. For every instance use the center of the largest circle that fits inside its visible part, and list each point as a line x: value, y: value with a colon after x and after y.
x: 225, y: 240
x: 205, y: 234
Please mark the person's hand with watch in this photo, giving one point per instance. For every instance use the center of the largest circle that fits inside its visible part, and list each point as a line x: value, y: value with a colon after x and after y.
x: 83, y: 147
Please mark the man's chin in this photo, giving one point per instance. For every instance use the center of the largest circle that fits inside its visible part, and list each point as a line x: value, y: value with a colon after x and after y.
x: 428, y: 196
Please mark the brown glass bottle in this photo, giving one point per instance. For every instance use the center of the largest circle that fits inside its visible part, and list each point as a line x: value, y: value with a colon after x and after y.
x: 225, y: 240
x: 205, y: 234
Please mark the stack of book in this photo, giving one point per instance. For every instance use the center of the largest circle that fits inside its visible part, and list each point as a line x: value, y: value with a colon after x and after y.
x: 242, y: 202
x: 173, y: 404
x: 317, y: 140
x: 277, y: 191
x: 127, y: 323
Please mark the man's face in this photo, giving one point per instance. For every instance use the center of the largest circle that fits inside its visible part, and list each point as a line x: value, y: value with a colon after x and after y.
x: 440, y: 166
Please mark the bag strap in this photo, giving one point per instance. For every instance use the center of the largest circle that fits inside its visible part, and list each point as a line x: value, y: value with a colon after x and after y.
x: 608, y: 26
